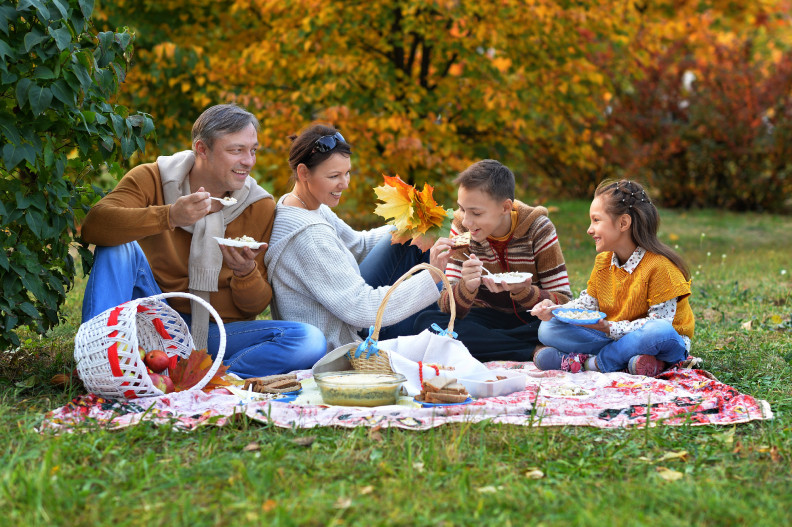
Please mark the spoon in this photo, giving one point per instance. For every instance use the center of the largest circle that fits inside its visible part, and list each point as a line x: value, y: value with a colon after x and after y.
x: 227, y: 201
x: 468, y: 257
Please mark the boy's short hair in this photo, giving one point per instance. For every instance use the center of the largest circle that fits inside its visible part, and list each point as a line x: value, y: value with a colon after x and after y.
x: 489, y: 176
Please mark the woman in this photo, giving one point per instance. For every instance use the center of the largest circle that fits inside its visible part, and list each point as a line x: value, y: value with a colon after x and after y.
x: 327, y: 274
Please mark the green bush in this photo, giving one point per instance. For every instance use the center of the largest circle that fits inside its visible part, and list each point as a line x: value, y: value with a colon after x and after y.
x: 58, y: 130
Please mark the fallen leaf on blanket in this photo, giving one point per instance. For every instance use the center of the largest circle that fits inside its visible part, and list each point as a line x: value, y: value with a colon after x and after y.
x: 668, y: 474
x: 188, y: 372
x: 304, y: 441
x: 534, y: 473
x: 343, y: 503
x: 28, y: 382
x: 489, y: 489
x: 368, y: 489
x: 747, y: 325
x: 251, y: 447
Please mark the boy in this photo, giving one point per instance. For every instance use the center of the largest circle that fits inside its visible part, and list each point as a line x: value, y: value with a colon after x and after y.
x: 506, y: 235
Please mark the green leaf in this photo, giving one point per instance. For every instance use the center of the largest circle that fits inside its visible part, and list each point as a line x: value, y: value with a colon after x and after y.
x: 40, y: 98
x: 62, y: 7
x: 3, y: 259
x: 7, y: 14
x: 8, y: 128
x: 22, y: 88
x: 87, y: 7
x: 123, y: 39
x: 33, y: 39
x: 43, y: 72
x: 5, y: 51
x: 43, y: 12
x: 29, y: 310
x: 118, y: 124
x: 62, y: 36
x: 62, y: 92
x: 15, y: 154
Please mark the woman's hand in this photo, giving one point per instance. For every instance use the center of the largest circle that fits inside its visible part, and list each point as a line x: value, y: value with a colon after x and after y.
x: 241, y: 260
x: 440, y: 253
x: 601, y: 325
x: 544, y: 310
x: 471, y: 273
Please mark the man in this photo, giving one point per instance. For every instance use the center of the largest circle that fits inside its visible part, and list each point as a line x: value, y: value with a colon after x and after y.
x: 155, y: 232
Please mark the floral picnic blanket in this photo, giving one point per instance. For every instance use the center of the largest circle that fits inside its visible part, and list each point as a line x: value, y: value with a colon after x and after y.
x: 551, y: 398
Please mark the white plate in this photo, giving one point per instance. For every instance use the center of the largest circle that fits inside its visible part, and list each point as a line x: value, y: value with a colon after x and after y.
x: 509, y: 278
x: 236, y: 243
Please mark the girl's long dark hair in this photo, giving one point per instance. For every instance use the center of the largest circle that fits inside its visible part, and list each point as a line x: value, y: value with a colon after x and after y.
x: 628, y: 197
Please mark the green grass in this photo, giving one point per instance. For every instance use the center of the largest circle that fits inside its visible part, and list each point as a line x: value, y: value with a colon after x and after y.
x: 248, y: 473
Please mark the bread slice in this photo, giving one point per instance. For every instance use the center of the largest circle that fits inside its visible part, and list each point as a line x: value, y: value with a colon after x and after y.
x: 435, y: 384
x: 444, y: 398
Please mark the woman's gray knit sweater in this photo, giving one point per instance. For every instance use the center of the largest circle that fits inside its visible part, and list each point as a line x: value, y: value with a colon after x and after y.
x: 312, y: 264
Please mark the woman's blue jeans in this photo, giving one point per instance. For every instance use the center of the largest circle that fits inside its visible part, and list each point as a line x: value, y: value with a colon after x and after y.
x: 656, y: 337
x: 382, y: 266
x: 253, y: 348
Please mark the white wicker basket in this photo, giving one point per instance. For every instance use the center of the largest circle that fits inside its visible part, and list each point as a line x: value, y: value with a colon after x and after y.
x: 106, y: 347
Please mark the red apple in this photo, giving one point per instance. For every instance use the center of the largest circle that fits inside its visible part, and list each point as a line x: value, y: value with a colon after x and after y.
x: 142, y: 352
x: 162, y: 382
x: 157, y: 360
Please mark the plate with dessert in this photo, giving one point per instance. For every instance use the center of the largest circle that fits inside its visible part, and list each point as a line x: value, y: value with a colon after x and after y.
x: 578, y: 316
x: 510, y: 277
x: 240, y: 241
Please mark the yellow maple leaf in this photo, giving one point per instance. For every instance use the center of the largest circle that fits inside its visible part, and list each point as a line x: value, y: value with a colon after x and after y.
x: 416, y: 215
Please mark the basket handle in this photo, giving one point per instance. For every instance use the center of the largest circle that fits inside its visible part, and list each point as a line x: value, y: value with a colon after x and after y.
x: 221, y: 348
x: 405, y: 276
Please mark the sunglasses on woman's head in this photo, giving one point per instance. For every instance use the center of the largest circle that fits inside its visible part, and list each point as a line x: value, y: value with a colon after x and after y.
x: 328, y: 142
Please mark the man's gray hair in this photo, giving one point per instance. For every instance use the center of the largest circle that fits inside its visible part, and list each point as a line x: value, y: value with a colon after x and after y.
x: 219, y: 120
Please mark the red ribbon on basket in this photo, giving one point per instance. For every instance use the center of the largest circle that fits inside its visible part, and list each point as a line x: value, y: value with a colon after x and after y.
x: 435, y: 367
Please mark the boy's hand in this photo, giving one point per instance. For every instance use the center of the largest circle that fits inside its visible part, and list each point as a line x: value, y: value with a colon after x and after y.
x: 471, y: 273
x: 503, y: 286
x: 544, y: 310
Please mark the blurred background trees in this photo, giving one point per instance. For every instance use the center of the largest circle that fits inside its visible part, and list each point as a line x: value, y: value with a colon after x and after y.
x: 691, y: 96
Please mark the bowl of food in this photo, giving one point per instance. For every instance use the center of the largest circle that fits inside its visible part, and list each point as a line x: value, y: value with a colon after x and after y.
x: 353, y: 388
x: 509, y: 277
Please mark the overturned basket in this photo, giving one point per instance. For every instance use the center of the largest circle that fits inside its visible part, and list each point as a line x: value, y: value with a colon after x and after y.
x: 378, y: 360
x: 106, y: 346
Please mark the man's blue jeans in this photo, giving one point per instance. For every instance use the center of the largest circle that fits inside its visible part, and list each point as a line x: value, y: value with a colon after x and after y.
x: 253, y: 348
x: 382, y: 266
x: 656, y: 337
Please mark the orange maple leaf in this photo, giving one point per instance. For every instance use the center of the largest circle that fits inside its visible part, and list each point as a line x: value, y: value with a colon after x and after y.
x: 188, y: 372
x: 416, y: 215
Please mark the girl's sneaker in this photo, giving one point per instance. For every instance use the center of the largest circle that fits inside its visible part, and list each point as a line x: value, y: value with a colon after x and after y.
x: 574, y: 362
x: 647, y: 365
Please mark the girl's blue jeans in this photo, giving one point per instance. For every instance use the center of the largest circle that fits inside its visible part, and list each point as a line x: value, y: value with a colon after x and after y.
x: 656, y: 337
x: 253, y: 348
x: 382, y: 266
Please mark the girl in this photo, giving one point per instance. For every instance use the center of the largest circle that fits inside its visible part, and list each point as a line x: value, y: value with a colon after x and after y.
x: 640, y: 284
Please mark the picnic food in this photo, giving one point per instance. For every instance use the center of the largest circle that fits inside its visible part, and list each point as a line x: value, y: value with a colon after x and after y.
x: 162, y: 383
x: 157, y: 360
x: 442, y: 390
x: 273, y: 383
x: 244, y: 239
x: 460, y: 244
x: 510, y: 277
x: 350, y: 388
x: 229, y: 200
x: 579, y: 315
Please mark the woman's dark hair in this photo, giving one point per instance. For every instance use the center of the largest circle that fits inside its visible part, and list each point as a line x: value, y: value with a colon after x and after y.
x: 303, y: 148
x: 489, y: 176
x: 629, y: 197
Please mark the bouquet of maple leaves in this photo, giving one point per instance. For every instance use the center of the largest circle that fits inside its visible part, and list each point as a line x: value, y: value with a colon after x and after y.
x: 416, y: 215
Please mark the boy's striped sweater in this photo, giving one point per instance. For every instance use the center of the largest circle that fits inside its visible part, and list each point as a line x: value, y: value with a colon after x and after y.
x: 533, y: 248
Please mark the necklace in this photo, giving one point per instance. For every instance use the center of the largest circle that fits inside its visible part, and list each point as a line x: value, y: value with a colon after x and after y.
x: 298, y: 199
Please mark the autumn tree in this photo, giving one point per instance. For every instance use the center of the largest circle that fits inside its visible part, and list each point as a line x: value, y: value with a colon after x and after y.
x: 420, y: 88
